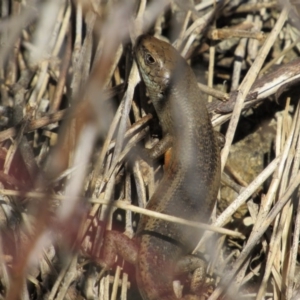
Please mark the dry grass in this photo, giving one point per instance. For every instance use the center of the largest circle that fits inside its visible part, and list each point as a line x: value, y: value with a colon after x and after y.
x: 71, y: 114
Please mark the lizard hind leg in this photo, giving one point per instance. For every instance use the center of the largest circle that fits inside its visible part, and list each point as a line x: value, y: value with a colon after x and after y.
x: 116, y: 243
x: 198, y: 284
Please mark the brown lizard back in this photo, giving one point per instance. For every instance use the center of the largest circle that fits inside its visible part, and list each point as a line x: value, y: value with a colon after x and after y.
x: 190, y: 183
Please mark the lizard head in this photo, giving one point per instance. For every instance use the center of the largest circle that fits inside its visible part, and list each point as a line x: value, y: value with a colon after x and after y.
x: 165, y: 74
x: 157, y: 61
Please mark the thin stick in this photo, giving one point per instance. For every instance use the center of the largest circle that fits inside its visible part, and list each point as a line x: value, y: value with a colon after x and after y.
x: 242, y: 198
x: 247, y: 83
x: 252, y: 242
x: 123, y: 205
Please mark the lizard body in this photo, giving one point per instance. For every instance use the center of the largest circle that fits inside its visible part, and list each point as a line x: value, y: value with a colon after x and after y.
x: 191, y: 180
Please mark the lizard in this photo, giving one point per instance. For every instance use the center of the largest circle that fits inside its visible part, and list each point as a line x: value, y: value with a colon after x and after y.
x: 191, y: 178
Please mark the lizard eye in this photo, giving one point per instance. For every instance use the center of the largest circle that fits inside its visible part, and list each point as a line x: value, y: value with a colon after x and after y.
x: 149, y: 59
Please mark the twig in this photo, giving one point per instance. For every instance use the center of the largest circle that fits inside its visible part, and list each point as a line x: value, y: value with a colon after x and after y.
x: 242, y: 198
x: 260, y: 231
x: 133, y: 208
x: 247, y: 83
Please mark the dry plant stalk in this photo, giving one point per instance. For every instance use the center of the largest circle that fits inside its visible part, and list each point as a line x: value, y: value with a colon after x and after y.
x: 72, y: 114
